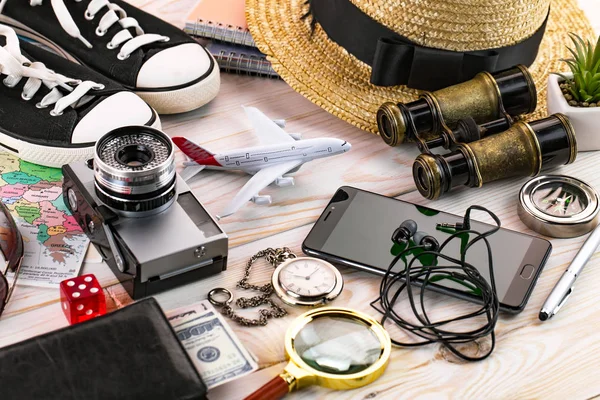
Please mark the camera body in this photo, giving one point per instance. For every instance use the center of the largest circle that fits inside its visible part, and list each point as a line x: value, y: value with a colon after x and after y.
x: 176, y: 244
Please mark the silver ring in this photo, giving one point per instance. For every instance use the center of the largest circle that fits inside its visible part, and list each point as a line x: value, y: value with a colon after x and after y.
x: 217, y: 291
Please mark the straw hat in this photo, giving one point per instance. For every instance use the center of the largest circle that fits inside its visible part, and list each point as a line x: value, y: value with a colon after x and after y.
x: 328, y: 75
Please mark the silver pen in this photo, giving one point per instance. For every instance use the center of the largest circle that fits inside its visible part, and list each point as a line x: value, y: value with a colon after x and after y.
x: 564, y: 287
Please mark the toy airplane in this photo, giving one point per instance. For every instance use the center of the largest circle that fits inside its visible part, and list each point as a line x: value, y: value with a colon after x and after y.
x: 278, y: 155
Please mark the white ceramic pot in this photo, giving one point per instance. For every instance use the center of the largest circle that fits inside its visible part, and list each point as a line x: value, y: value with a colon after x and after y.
x: 586, y: 121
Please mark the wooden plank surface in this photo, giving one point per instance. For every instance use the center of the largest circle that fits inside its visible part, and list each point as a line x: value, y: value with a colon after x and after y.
x: 556, y: 359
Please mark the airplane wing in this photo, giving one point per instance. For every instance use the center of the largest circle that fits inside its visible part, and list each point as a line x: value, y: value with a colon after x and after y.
x: 267, y: 131
x: 258, y: 182
x: 191, y: 171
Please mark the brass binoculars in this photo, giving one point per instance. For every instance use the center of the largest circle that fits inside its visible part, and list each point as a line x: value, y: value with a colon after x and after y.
x: 476, y: 121
x: 524, y: 149
x: 486, y: 98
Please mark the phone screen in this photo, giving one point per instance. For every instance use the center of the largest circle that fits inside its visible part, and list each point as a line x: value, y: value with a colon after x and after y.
x: 357, y: 227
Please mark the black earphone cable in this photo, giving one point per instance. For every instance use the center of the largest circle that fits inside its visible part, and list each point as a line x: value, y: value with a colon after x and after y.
x: 419, y: 277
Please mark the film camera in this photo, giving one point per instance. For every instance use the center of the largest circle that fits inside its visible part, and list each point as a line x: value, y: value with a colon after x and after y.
x: 140, y: 215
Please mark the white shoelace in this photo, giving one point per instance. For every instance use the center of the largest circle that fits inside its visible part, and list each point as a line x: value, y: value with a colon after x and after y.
x: 17, y: 66
x: 114, y: 14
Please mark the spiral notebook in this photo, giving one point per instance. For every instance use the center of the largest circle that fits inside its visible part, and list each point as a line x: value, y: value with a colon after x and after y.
x: 223, y: 20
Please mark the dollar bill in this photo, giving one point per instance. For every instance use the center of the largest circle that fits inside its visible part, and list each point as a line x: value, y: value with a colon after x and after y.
x: 212, y: 345
x: 184, y: 314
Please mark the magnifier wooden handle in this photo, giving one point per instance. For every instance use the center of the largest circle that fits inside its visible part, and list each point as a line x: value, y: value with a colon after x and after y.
x: 275, y: 389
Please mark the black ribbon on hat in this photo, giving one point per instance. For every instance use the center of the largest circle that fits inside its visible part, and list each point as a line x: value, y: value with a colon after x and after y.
x: 396, y: 60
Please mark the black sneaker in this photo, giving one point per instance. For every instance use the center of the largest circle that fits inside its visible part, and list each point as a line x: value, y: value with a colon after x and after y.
x: 164, y: 66
x: 54, y: 118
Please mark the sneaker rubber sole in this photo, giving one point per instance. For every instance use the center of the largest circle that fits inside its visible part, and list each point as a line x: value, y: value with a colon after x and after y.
x: 164, y: 101
x: 187, y: 98
x: 48, y: 155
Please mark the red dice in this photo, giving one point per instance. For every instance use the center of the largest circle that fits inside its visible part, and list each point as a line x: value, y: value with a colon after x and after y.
x: 82, y: 298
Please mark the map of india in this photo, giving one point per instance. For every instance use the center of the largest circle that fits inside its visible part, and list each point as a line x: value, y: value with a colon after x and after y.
x: 54, y: 243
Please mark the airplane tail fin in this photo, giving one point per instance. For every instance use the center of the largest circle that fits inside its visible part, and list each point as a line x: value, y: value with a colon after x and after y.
x: 194, y: 151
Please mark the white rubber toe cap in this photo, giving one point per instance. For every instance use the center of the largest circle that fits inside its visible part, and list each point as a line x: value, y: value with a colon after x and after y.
x: 120, y: 109
x: 174, y: 66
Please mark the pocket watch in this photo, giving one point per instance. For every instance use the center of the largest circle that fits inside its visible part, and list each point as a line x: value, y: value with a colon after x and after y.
x: 307, y: 281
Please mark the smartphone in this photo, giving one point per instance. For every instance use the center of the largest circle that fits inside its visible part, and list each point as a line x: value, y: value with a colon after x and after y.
x: 356, y: 227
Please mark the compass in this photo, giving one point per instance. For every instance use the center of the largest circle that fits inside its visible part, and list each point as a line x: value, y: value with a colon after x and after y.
x: 558, y: 206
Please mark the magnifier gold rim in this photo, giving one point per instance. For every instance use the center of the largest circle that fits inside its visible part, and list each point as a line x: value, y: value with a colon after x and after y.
x: 305, y: 375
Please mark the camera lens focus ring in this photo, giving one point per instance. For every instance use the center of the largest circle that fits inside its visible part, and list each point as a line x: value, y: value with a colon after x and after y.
x: 157, y: 201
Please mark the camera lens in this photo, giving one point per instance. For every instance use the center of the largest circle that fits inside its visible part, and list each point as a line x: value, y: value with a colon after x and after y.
x: 135, y: 155
x: 134, y: 170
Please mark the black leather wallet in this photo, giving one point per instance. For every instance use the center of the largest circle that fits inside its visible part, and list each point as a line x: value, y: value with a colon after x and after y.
x: 132, y: 353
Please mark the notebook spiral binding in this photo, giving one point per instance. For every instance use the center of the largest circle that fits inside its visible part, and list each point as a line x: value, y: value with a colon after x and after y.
x: 248, y: 63
x: 222, y: 32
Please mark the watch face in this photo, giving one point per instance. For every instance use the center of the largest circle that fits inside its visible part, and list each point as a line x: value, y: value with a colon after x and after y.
x: 307, y: 277
x: 559, y: 199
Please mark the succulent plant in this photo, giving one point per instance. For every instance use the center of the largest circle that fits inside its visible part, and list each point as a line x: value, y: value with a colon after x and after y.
x: 585, y: 66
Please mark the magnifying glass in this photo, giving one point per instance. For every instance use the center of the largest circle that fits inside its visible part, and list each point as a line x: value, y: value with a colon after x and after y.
x: 333, y: 347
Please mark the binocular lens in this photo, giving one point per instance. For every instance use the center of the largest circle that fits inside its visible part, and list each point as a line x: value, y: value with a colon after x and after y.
x: 525, y: 149
x: 389, y: 123
x: 480, y: 98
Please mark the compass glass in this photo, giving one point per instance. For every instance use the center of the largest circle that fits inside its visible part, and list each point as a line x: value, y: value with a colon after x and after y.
x: 559, y: 199
x: 307, y: 277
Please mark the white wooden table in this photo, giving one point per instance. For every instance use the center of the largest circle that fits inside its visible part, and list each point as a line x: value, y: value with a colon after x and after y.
x: 557, y: 359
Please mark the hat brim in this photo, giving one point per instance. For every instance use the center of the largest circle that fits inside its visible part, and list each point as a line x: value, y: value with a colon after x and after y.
x: 338, y: 82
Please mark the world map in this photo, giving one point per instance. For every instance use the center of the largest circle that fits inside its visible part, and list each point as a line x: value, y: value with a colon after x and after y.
x: 55, y: 245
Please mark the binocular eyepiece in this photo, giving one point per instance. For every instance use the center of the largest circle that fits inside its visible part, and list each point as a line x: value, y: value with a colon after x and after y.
x: 523, y: 149
x: 486, y: 97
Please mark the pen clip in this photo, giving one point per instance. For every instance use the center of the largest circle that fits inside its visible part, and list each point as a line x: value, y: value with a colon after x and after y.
x: 563, y: 301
